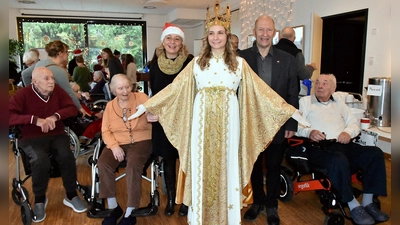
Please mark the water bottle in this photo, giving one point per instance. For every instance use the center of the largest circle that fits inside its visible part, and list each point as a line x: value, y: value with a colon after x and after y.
x: 146, y: 69
x: 308, y: 84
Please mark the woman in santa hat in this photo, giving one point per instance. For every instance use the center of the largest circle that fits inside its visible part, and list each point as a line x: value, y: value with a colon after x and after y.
x: 171, y: 57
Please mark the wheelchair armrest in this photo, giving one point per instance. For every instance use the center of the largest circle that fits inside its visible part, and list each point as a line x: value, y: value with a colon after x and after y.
x: 14, y: 132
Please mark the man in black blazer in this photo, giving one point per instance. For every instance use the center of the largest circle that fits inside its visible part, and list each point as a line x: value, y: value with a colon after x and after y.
x: 277, y: 68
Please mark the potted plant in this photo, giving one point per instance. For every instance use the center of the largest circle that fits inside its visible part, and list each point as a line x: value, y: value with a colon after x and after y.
x: 16, y: 48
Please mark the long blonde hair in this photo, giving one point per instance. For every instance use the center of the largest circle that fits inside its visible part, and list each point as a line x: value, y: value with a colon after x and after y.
x: 229, y: 54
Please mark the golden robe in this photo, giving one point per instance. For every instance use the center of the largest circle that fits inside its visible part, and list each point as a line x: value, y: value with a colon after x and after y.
x: 209, y: 125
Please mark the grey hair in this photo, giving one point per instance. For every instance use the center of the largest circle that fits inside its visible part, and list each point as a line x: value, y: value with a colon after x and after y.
x: 30, y: 56
x: 115, y: 79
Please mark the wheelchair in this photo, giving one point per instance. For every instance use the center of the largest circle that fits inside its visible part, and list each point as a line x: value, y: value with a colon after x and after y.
x: 74, y: 130
x: 293, y: 181
x: 19, y: 193
x: 97, y: 205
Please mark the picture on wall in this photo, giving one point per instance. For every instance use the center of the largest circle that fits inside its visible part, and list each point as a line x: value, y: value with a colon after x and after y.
x: 299, y: 33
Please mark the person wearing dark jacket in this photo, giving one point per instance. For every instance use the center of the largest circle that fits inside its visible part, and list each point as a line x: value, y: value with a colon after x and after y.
x: 286, y: 43
x: 112, y: 64
x: 171, y: 57
x: 277, y: 69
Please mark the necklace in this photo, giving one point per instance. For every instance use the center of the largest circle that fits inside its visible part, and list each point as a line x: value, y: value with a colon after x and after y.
x: 124, y: 118
x: 217, y: 57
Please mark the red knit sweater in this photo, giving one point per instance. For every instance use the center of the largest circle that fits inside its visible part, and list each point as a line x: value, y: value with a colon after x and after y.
x: 26, y: 104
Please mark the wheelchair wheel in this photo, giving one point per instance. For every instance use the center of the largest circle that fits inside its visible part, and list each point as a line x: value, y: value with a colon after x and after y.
x: 17, y: 196
x: 90, y: 160
x: 26, y: 213
x: 287, y: 189
x: 99, y: 105
x: 334, y: 219
x: 73, y: 142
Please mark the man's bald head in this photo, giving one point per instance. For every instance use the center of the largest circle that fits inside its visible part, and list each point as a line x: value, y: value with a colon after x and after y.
x: 43, y: 80
x: 288, y: 33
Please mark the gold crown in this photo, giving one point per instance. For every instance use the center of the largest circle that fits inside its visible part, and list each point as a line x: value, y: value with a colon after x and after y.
x: 222, y: 20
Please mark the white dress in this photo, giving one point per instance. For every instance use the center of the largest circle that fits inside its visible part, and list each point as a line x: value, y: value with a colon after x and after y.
x: 219, y: 121
x: 216, y: 192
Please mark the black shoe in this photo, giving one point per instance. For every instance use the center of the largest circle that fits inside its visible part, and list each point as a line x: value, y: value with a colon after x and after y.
x: 114, y: 216
x: 272, y: 216
x: 170, y: 208
x: 183, y: 210
x: 127, y: 221
x: 252, y: 213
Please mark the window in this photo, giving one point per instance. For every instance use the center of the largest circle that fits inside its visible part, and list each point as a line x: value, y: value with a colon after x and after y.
x: 128, y: 37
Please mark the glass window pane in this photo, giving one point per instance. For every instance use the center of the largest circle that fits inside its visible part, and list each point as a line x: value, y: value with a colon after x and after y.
x: 127, y: 39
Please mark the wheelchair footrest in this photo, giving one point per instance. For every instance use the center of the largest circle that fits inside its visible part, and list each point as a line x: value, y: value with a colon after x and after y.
x: 97, y: 213
x: 149, y: 210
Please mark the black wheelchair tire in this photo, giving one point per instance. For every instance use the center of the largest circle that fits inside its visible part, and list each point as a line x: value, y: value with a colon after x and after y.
x: 26, y: 213
x: 17, y: 196
x: 90, y: 160
x: 156, y: 198
x: 74, y: 142
x: 287, y: 189
x: 334, y: 218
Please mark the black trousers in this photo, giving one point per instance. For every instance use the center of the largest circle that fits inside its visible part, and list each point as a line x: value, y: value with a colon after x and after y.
x: 343, y: 160
x: 39, y: 150
x: 273, y: 156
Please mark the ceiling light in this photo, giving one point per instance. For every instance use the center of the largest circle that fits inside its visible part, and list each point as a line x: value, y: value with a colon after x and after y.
x: 156, y: 2
x: 149, y: 7
x: 27, y: 1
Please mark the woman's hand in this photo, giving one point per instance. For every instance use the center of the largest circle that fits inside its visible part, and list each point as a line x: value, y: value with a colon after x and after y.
x: 118, y: 153
x: 84, y: 113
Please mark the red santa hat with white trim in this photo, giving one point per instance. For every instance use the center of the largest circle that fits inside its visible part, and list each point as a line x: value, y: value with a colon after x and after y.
x: 78, y: 52
x: 170, y: 28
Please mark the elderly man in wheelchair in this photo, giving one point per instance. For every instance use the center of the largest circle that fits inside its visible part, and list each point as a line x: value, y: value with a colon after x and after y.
x: 332, y: 128
x: 38, y: 110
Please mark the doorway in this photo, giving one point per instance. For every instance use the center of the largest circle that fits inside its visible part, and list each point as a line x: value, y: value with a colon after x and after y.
x: 343, y: 49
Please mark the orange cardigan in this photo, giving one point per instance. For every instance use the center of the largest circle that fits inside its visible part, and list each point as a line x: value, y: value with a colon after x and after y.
x: 115, y: 132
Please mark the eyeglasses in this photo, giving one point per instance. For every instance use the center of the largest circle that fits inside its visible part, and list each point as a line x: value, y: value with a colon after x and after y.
x: 124, y: 115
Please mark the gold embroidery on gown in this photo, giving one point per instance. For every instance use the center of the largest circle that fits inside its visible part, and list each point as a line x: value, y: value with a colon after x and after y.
x: 261, y: 114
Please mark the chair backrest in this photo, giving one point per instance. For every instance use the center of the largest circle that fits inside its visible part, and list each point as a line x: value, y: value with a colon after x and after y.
x: 107, y: 91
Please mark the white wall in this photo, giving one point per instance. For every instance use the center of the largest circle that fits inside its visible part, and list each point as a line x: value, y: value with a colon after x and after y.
x: 378, y: 46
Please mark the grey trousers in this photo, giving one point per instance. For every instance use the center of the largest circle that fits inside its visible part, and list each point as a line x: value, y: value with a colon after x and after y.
x: 136, y: 156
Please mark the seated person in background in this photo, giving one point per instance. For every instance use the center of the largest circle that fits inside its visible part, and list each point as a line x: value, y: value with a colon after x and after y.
x: 94, y: 127
x: 39, y: 109
x: 332, y: 119
x: 31, y: 57
x: 97, y: 90
x: 124, y: 139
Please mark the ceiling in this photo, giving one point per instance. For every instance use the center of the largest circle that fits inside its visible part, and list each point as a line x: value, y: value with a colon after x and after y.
x: 117, y: 7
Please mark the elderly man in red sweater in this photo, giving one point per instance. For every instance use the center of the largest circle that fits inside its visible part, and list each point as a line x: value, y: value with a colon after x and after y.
x: 38, y: 110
